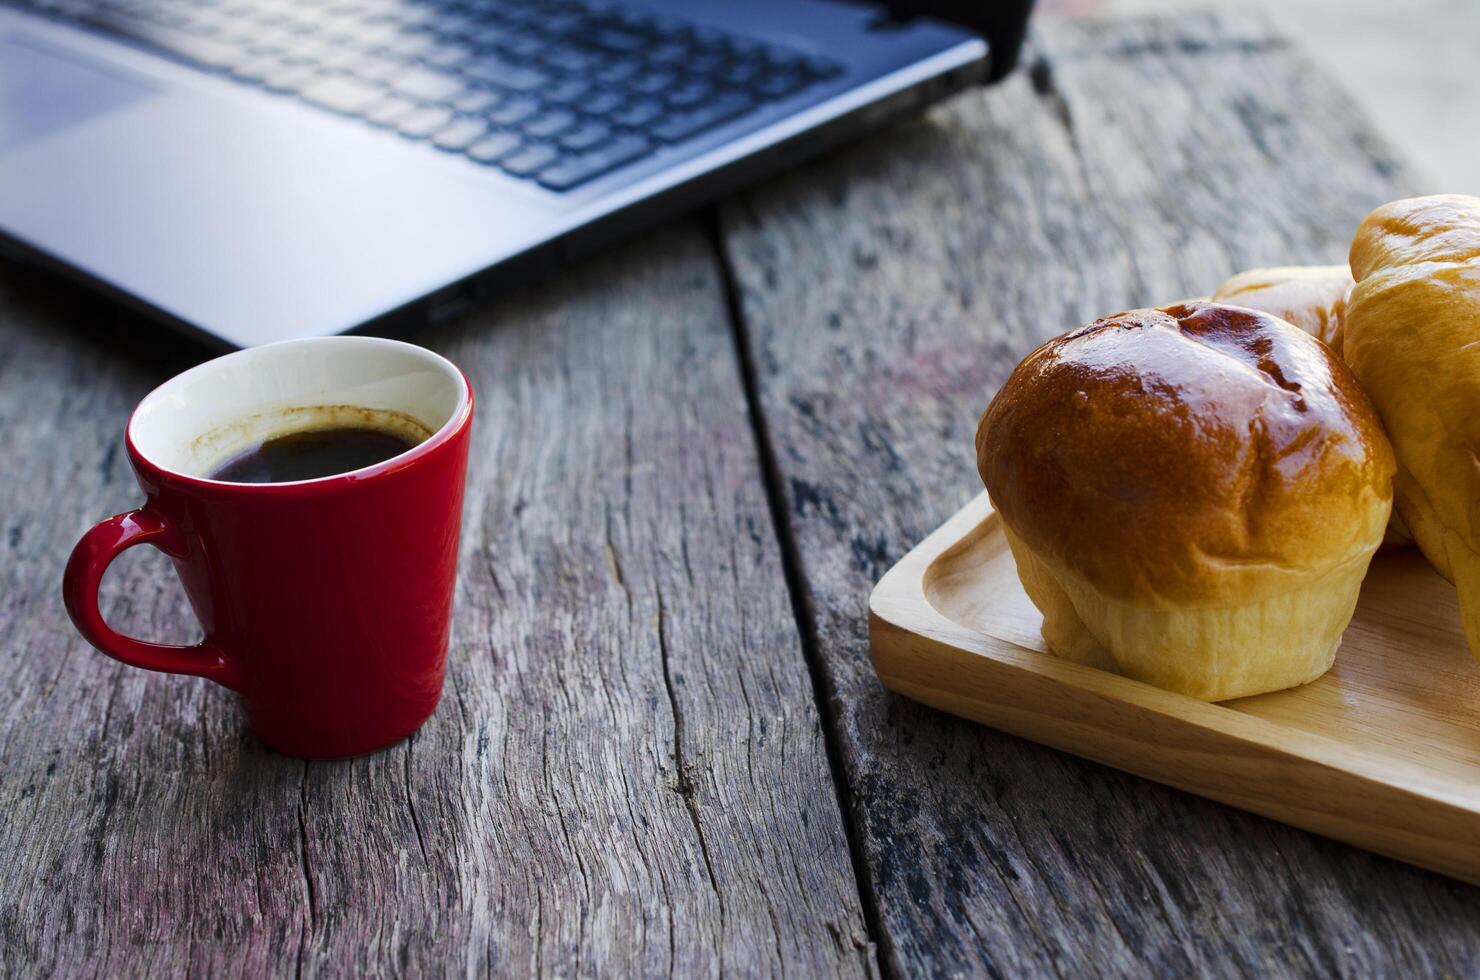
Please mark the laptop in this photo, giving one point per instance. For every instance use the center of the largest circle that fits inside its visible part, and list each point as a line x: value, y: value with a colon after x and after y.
x: 258, y: 170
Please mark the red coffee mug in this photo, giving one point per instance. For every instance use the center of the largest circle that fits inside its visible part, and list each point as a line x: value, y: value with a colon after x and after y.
x: 325, y: 603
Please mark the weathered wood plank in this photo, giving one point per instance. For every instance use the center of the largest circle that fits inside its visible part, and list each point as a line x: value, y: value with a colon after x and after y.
x: 886, y: 292
x: 626, y: 776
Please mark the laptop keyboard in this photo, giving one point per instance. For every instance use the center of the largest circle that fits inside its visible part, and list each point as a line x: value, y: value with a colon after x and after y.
x: 555, y: 91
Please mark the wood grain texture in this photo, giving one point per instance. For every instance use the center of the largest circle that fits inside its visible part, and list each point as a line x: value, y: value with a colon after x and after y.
x: 1383, y: 751
x: 886, y: 292
x: 627, y: 773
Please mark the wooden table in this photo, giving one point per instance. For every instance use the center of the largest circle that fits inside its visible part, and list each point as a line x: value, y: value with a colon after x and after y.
x: 661, y: 749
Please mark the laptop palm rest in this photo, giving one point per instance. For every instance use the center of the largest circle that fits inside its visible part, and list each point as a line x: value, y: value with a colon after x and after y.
x: 254, y: 216
x: 42, y: 92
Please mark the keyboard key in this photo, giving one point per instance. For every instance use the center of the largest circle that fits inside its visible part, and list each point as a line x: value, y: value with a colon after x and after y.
x: 448, y: 55
x: 705, y: 63
x: 602, y: 103
x: 291, y: 78
x: 257, y: 69
x: 742, y: 72
x: 388, y: 110
x: 569, y: 173
x: 566, y: 91
x: 653, y: 82
x: 305, y: 51
x: 202, y: 51
x: 495, y: 148
x: 342, y: 93
x: 423, y: 122
x: 504, y: 74
x: 621, y: 42
x: 568, y: 24
x: 413, y: 16
x: 486, y: 35
x: 528, y: 160
x: 331, y: 58
x: 778, y: 85
x: 742, y: 47
x: 476, y: 101
x: 269, y: 40
x: 426, y: 85
x: 375, y: 67
x: 618, y: 71
x: 548, y: 124
x: 521, y: 14
x: 638, y: 115
x: 369, y: 37
x: 689, y: 94
x: 204, y: 22
x: 411, y: 45
x: 524, y: 48
x: 462, y: 134
x: 571, y: 61
x: 668, y: 54
x: 686, y: 124
x: 586, y: 136
x: 457, y: 25
x: 514, y: 111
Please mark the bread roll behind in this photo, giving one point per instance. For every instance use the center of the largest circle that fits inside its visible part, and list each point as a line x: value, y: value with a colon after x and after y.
x: 1313, y: 297
x: 1192, y: 496
x: 1412, y: 337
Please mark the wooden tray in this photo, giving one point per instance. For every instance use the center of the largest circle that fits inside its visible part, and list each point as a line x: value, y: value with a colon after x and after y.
x: 1382, y: 752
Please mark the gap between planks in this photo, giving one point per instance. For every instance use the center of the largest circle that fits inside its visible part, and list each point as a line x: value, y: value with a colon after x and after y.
x: 801, y: 607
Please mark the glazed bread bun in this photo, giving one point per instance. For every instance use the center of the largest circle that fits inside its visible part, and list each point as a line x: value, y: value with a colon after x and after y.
x: 1412, y: 337
x: 1313, y: 297
x: 1192, y: 496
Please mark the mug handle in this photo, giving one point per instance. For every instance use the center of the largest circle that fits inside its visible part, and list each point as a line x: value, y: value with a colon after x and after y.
x: 91, y: 558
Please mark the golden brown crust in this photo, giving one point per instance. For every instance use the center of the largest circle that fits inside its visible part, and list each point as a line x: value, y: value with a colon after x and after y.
x: 1412, y: 337
x: 1200, y: 454
x: 1313, y: 297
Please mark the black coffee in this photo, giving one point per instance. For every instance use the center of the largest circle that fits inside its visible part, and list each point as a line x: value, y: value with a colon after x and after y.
x: 312, y: 454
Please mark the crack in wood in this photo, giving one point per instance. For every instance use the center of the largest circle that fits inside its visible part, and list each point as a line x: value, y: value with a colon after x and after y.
x: 306, y: 870
x: 872, y: 963
x: 1187, y: 46
x: 683, y: 782
x: 105, y: 465
x: 411, y: 804
x: 1041, y: 77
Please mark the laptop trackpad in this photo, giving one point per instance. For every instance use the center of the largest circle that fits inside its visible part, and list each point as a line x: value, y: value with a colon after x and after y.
x: 42, y: 92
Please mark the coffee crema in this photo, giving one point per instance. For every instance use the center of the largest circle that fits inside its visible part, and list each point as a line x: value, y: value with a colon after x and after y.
x: 311, y: 454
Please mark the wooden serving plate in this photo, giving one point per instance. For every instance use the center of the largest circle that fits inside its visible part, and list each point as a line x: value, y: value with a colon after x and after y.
x: 1382, y: 752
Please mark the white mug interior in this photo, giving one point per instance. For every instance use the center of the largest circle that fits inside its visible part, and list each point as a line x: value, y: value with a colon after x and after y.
x: 200, y: 419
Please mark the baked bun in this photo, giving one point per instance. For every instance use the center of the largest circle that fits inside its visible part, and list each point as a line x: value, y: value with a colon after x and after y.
x: 1412, y: 337
x: 1192, y: 496
x: 1313, y: 297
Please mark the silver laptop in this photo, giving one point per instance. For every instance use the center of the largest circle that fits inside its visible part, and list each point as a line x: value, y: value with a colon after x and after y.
x: 256, y: 170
